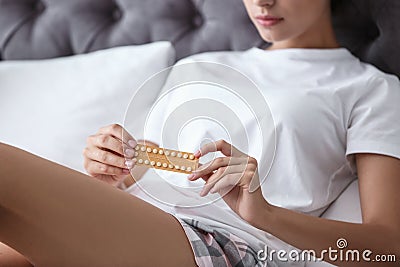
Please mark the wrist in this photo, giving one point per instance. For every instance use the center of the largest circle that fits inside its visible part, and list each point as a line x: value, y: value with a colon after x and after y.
x: 128, y: 181
x: 122, y: 186
x: 125, y: 182
x: 265, y: 217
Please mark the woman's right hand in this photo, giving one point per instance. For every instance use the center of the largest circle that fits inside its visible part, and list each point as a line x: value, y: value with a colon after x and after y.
x: 108, y: 154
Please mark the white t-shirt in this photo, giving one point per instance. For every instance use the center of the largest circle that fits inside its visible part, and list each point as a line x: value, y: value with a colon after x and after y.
x: 326, y: 106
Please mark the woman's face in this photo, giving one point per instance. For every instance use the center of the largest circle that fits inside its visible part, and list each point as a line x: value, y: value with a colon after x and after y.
x: 289, y: 20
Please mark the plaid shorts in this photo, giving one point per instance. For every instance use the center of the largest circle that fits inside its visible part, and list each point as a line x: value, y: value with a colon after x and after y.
x: 217, y: 247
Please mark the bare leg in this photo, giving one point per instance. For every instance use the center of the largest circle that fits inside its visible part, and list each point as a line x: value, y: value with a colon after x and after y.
x: 10, y: 258
x: 55, y: 216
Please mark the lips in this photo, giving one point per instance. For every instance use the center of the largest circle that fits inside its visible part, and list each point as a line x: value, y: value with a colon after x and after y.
x: 267, y: 20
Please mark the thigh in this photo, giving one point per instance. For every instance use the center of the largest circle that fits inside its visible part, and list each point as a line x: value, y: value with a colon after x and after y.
x: 10, y: 258
x: 55, y: 216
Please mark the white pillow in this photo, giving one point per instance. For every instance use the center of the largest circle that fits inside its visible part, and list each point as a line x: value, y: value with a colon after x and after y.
x: 49, y: 107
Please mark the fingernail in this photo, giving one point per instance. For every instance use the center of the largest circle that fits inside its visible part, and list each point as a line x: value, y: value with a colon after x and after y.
x: 197, y: 153
x: 190, y: 176
x: 129, y: 164
x: 132, y: 143
x: 129, y: 153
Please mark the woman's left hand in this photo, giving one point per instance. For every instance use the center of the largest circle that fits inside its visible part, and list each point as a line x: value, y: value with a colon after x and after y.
x: 235, y: 177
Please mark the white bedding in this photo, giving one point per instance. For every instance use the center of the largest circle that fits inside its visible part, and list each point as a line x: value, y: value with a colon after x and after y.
x: 49, y: 107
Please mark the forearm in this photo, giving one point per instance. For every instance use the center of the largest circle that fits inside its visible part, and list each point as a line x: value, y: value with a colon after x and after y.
x: 317, y: 234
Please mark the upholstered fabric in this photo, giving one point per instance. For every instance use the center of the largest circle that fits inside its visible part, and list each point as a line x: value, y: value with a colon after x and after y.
x: 52, y: 28
x: 370, y: 29
x: 34, y: 29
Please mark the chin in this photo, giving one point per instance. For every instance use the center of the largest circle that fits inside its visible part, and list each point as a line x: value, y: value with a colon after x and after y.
x: 269, y: 39
x: 274, y: 37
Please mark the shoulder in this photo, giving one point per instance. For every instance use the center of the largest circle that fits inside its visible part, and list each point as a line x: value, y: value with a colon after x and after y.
x: 373, y: 74
x: 363, y: 81
x: 380, y: 85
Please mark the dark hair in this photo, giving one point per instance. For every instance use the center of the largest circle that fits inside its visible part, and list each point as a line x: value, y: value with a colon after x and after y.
x: 335, y: 4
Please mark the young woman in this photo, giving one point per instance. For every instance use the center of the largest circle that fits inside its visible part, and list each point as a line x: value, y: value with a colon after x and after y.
x: 336, y: 118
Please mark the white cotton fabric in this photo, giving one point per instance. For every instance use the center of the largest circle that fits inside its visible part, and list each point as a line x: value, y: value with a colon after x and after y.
x: 49, y: 107
x: 326, y: 106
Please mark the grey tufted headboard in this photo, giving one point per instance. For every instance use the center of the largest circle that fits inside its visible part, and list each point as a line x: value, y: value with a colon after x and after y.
x: 36, y: 29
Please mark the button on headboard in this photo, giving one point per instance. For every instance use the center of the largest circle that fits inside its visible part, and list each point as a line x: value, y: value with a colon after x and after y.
x: 35, y: 29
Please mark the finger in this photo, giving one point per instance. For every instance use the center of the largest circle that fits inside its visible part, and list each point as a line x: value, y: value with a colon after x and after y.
x: 191, y: 175
x: 226, y: 184
x: 107, y: 158
x: 110, y: 143
x: 97, y: 168
x: 119, y: 132
x: 206, y: 177
x: 220, y: 174
x: 216, y: 164
x: 220, y: 145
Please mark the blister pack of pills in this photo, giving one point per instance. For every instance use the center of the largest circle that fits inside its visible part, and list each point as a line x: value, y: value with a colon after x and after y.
x: 165, y: 159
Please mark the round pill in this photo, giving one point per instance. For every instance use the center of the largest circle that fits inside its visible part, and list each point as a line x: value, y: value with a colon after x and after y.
x: 173, y: 154
x: 189, y: 169
x: 191, y: 157
x: 185, y: 156
x: 166, y: 153
x: 153, y: 163
x: 158, y: 164
x: 140, y: 161
x: 179, y: 155
x: 143, y: 148
x: 170, y: 166
x: 146, y: 162
x: 183, y: 168
x: 165, y: 165
x: 155, y: 151
x: 137, y: 147
x: 177, y: 167
x: 136, y: 154
x: 134, y: 159
x: 149, y: 149
x: 160, y: 152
